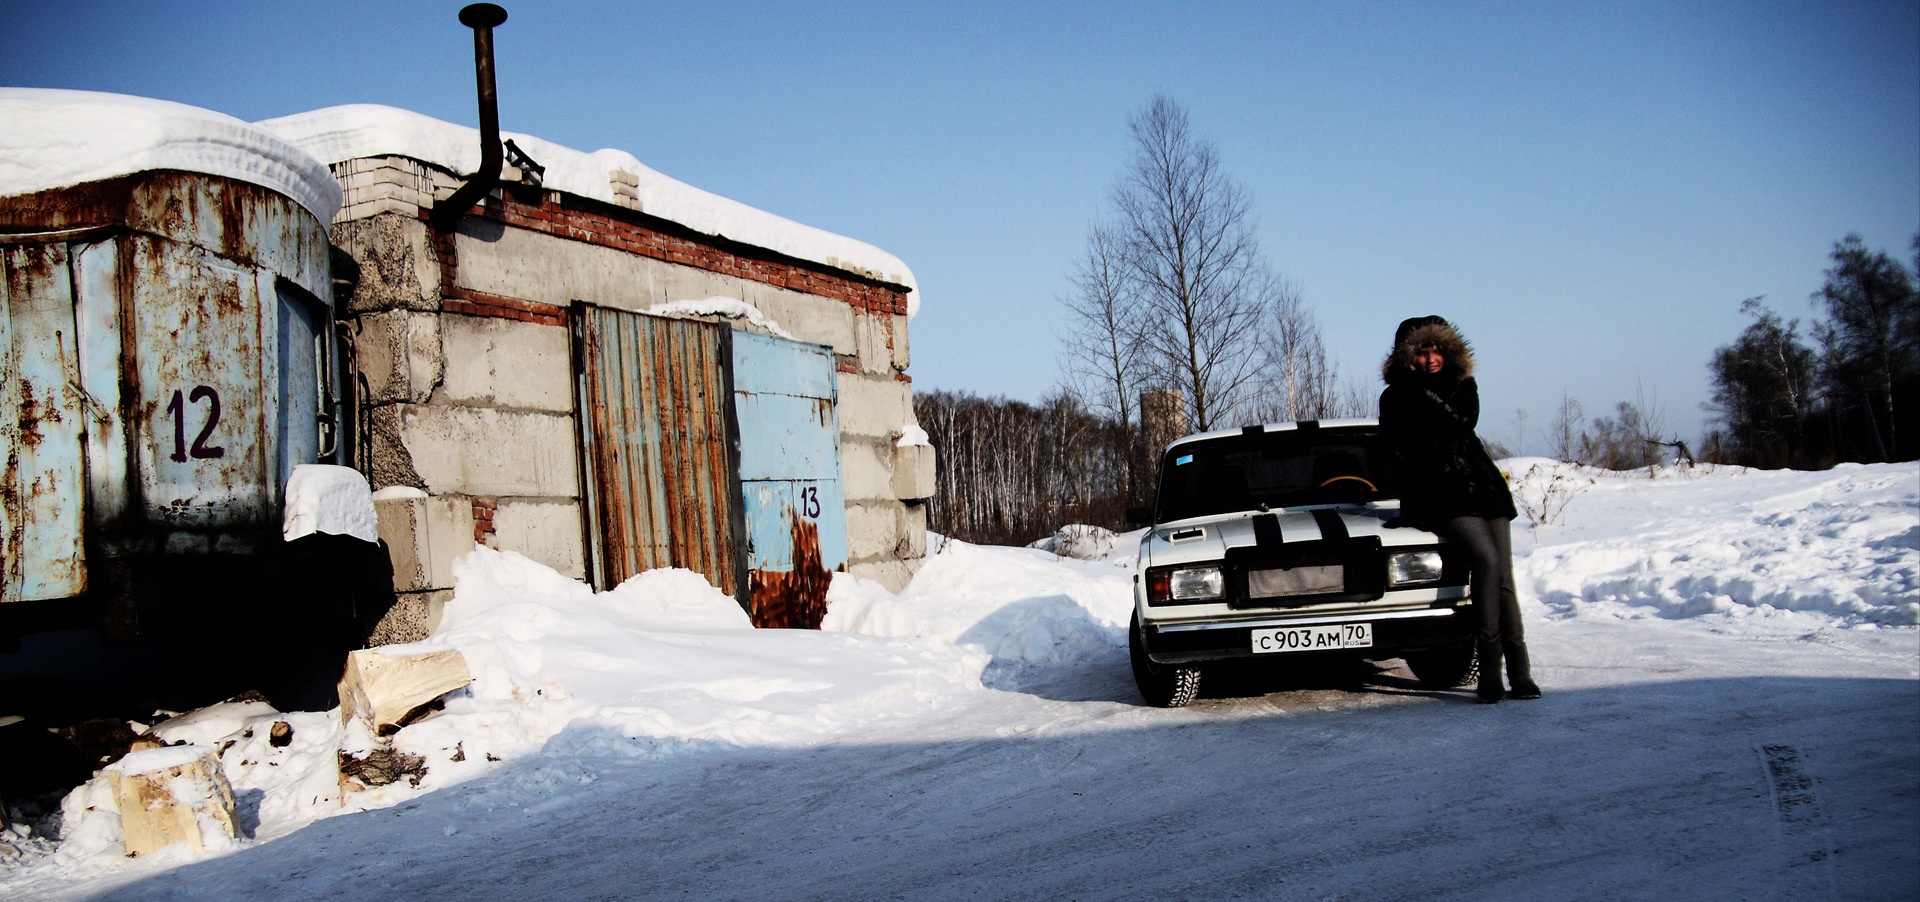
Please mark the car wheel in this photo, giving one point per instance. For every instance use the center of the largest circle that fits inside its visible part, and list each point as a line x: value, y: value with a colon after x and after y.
x: 1162, y: 685
x: 1446, y: 667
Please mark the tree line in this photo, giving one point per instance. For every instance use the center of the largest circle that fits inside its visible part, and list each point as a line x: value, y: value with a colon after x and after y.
x: 1843, y: 392
x: 1012, y: 472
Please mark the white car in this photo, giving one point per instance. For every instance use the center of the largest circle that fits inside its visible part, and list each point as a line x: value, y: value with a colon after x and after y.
x: 1274, y: 541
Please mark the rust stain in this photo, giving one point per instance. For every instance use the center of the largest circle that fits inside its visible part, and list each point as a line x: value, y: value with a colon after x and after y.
x: 797, y: 599
x: 172, y: 214
x: 82, y: 206
x: 16, y: 526
x: 30, y: 416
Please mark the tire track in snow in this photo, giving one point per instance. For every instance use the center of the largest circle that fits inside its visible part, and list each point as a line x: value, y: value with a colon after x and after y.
x: 1800, y: 834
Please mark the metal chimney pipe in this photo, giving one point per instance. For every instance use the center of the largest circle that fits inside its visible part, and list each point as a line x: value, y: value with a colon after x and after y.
x: 481, y: 17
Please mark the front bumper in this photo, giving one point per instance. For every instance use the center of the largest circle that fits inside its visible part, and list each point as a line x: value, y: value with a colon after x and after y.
x: 1394, y: 632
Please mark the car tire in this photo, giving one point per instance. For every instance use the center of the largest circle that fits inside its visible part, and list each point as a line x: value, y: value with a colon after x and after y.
x: 1446, y: 667
x: 1162, y: 685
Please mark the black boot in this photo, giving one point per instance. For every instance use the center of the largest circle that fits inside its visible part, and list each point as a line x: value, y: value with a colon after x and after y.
x: 1490, y: 689
x: 1518, y: 673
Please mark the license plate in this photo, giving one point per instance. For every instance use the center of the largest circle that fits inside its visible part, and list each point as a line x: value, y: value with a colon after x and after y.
x: 1330, y: 637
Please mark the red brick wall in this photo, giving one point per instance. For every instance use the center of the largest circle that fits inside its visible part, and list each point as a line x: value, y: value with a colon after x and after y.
x: 483, y: 509
x: 614, y: 229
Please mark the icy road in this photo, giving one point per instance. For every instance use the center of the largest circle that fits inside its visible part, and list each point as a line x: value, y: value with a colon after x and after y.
x: 1652, y: 770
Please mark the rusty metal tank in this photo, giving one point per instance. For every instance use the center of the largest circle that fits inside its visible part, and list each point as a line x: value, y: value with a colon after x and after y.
x: 165, y: 339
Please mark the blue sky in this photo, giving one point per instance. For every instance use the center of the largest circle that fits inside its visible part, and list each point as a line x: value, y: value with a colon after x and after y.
x: 1588, y: 189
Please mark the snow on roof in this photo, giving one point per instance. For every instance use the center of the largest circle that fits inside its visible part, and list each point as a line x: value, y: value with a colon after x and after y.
x: 52, y: 138
x: 355, y: 131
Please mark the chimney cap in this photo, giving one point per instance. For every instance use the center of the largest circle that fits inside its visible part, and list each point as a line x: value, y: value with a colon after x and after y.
x: 482, y: 15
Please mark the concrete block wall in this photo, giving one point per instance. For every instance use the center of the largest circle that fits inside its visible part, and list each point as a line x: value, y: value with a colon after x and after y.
x: 462, y: 343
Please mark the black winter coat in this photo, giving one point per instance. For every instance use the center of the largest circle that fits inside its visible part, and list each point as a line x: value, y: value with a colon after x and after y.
x: 1428, y: 422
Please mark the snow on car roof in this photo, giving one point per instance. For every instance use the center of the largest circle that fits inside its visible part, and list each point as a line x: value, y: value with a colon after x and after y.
x: 356, y: 131
x: 54, y: 138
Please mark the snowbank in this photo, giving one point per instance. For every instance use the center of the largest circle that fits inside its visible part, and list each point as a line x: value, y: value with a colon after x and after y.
x: 1022, y: 606
x: 354, y: 131
x: 56, y: 139
x: 662, y: 661
x: 1726, y: 542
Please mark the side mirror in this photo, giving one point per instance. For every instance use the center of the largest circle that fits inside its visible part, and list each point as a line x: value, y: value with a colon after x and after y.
x: 1140, y: 516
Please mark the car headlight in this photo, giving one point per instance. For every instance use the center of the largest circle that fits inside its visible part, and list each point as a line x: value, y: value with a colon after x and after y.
x: 1197, y: 583
x: 1410, y: 568
x: 1186, y: 585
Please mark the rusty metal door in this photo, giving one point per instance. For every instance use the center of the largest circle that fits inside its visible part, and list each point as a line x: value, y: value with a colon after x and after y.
x: 205, y: 407
x: 658, y: 449
x: 42, y: 468
x: 784, y: 400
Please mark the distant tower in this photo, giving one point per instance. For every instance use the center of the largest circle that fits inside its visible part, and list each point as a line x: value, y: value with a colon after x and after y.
x: 1163, y: 418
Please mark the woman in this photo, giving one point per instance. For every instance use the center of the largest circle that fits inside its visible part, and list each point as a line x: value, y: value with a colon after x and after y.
x: 1449, y: 485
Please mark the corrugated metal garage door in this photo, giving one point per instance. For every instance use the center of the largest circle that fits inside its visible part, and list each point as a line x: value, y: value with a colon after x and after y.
x: 657, y: 446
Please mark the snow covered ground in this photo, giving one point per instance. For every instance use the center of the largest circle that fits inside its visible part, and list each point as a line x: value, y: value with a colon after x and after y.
x: 1730, y: 658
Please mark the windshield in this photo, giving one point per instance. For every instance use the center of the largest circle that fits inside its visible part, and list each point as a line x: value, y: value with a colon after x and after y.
x: 1278, y: 469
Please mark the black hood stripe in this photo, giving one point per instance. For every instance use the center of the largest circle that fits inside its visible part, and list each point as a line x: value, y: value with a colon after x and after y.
x: 1266, y: 531
x: 1332, y: 527
x: 1267, y: 534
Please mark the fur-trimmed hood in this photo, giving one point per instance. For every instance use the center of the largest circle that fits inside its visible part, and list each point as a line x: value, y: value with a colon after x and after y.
x: 1428, y: 330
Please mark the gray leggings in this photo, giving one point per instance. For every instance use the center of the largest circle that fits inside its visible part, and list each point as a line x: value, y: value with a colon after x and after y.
x: 1490, y: 554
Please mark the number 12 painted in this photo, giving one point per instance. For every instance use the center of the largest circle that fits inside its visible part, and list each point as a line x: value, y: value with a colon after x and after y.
x: 177, y: 408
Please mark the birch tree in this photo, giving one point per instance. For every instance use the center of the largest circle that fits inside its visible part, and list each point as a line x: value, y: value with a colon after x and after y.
x: 1301, y: 383
x: 1101, y: 352
x: 1188, y: 246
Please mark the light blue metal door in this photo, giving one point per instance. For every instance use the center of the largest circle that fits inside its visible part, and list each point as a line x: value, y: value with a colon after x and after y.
x: 303, y: 379
x: 41, y: 432
x: 796, y: 520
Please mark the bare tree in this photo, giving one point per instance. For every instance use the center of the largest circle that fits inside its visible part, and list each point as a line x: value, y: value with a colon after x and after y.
x: 1299, y: 380
x: 1302, y: 381
x: 1191, y: 254
x: 1563, y: 434
x: 1357, y: 397
x: 1101, y: 351
x: 1616, y: 442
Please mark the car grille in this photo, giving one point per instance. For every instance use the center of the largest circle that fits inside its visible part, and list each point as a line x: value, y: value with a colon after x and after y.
x: 1321, y: 580
x: 1300, y: 573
